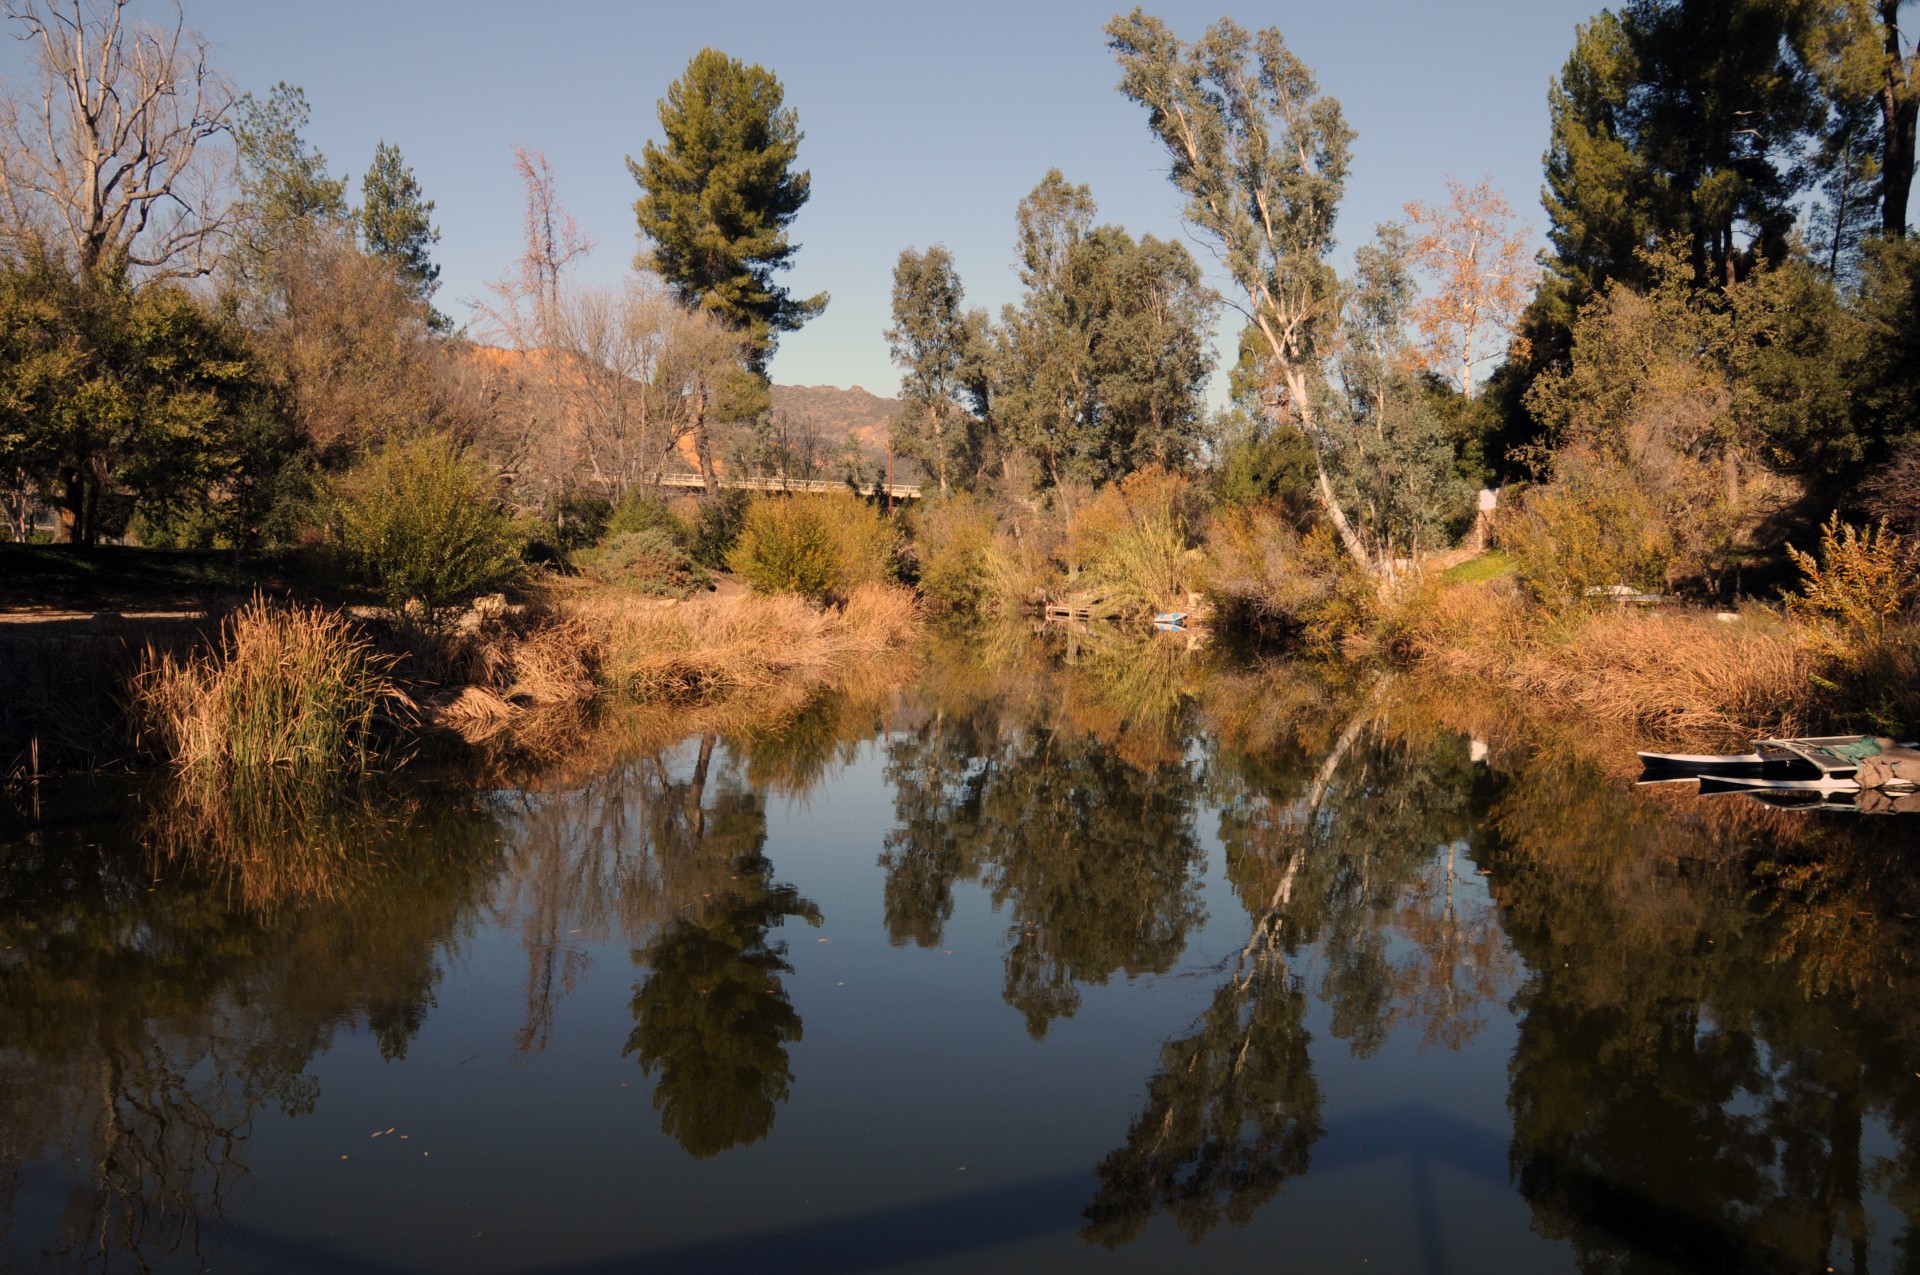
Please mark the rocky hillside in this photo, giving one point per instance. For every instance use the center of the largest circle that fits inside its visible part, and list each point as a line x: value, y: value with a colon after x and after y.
x: 840, y: 413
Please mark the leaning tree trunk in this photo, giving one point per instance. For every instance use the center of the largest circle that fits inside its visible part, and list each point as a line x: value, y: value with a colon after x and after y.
x: 1323, y: 488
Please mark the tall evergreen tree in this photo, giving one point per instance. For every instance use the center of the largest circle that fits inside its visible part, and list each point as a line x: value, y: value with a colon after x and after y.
x: 285, y: 190
x: 396, y: 223
x: 718, y: 195
x: 716, y: 199
x: 1676, y: 119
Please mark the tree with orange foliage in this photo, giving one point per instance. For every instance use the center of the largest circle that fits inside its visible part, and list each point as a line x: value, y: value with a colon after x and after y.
x: 1483, y: 273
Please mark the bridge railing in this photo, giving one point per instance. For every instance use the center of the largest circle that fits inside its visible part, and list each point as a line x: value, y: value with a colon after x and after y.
x: 900, y: 491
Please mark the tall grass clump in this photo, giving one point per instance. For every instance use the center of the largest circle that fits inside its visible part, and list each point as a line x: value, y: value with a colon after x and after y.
x: 421, y: 521
x: 819, y: 547
x: 1135, y: 546
x: 710, y: 649
x: 285, y: 686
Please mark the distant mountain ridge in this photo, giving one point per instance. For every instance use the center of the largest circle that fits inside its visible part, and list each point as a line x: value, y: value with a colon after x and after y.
x: 841, y: 412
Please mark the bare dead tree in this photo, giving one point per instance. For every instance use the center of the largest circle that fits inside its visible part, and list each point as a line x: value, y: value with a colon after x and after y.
x: 117, y: 150
x: 623, y: 367
x: 527, y: 296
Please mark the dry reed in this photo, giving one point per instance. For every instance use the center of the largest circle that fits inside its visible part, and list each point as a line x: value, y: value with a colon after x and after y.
x: 282, y: 686
x: 716, y: 647
x: 1674, y: 673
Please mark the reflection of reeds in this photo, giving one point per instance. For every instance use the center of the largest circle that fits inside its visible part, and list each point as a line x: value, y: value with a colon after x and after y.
x: 276, y: 839
x: 284, y: 686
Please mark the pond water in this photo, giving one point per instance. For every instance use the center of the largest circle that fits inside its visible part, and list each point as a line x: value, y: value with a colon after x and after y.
x: 1106, y: 955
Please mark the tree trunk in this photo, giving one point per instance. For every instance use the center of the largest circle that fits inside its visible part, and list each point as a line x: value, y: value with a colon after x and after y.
x: 702, y: 440
x: 1899, y: 106
x: 1329, y: 502
x: 73, y: 504
x: 93, y: 514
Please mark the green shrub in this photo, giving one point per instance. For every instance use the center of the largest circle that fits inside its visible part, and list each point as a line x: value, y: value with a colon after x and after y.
x: 717, y: 527
x: 420, y: 520
x: 816, y: 546
x: 1589, y: 529
x: 1862, y: 583
x: 650, y: 562
x: 579, y: 519
x: 644, y: 511
x: 1275, y: 467
x: 954, y: 541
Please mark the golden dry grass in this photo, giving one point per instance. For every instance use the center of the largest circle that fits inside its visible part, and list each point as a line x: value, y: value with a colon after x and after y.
x: 283, y: 686
x: 1672, y: 673
x: 713, y: 648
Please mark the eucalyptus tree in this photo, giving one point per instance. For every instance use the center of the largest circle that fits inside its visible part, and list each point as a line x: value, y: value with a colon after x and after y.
x: 935, y: 343
x: 1393, y: 457
x: 1103, y: 365
x: 1261, y: 155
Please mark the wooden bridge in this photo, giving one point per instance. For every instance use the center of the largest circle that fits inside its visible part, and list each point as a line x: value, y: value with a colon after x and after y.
x: 898, y: 491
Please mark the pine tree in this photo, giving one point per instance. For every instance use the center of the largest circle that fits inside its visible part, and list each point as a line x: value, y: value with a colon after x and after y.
x: 285, y: 191
x: 718, y: 196
x: 1671, y: 121
x: 396, y: 223
x: 716, y: 200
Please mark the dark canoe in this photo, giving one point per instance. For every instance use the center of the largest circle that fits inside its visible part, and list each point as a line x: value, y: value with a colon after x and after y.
x: 1662, y: 766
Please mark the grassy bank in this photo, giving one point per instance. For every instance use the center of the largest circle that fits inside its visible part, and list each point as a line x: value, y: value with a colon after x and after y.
x: 274, y: 686
x: 1670, y: 672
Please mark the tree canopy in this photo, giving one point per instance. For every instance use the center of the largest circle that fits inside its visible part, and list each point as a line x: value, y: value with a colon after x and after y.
x: 396, y: 224
x: 718, y: 194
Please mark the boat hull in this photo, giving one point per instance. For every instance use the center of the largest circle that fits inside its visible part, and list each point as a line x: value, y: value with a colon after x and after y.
x: 1752, y: 765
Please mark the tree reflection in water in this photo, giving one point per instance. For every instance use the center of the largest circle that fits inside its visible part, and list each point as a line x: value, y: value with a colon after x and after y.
x: 1346, y: 854
x: 148, y: 1012
x: 1716, y: 1022
x: 1719, y: 1009
x: 1067, y: 786
x: 673, y: 865
x: 1091, y: 855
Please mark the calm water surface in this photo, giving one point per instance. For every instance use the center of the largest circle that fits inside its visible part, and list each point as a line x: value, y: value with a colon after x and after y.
x: 1111, y: 957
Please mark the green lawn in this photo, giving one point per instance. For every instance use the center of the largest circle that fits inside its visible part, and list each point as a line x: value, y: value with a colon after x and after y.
x: 1488, y: 566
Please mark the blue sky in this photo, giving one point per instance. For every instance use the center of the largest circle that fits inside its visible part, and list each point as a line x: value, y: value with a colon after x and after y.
x: 924, y: 124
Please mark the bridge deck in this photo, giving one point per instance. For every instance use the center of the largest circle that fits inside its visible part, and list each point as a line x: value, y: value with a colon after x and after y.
x: 900, y: 491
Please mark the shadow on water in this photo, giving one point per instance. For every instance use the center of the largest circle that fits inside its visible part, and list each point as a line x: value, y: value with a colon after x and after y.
x: 1715, y: 1007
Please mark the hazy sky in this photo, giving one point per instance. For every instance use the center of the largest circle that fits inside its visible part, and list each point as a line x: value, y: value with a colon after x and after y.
x: 924, y: 123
